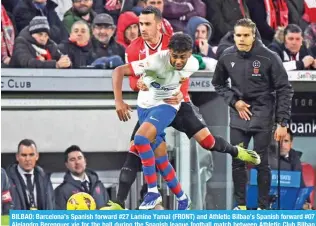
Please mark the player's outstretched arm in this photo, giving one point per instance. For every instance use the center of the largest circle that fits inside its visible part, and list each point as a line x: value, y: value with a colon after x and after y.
x: 122, y: 109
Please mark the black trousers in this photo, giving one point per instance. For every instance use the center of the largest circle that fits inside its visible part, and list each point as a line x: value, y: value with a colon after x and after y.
x: 262, y: 141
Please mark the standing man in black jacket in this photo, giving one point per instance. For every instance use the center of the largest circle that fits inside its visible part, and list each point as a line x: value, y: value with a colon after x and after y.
x: 256, y: 74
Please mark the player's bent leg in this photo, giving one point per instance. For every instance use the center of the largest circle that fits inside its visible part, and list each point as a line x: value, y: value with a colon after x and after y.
x: 127, y: 177
x: 169, y: 175
x: 219, y: 144
x: 190, y: 121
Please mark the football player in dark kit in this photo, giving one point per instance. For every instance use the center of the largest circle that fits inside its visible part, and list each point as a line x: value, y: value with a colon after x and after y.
x: 259, y: 96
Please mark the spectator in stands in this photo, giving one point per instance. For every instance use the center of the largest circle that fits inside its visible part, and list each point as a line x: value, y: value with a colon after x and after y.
x: 80, y: 10
x: 166, y: 26
x: 289, y: 158
x: 310, y: 38
x: 293, y: 51
x: 178, y: 12
x: 34, y: 49
x: 6, y: 198
x: 223, y: 14
x: 127, y: 28
x: 7, y: 38
x: 268, y: 15
x: 104, y: 44
x: 78, y: 47
x: 297, y: 13
x: 31, y: 186
x: 201, y: 32
x: 26, y: 10
x: 79, y: 179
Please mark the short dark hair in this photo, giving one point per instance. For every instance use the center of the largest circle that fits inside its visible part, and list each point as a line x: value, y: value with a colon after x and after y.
x: 71, y: 149
x: 246, y: 22
x: 292, y: 28
x: 289, y: 131
x: 180, y: 42
x: 27, y: 143
x: 152, y: 10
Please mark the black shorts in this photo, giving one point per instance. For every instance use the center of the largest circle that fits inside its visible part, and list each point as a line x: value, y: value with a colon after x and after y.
x: 188, y: 120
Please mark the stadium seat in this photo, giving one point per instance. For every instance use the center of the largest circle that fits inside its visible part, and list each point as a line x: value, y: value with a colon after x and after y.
x: 309, y: 178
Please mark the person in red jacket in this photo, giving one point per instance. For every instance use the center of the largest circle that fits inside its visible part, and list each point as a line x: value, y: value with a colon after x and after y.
x: 127, y: 28
x: 188, y: 119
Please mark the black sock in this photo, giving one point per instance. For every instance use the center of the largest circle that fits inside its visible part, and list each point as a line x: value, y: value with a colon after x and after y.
x: 221, y: 145
x: 124, y: 185
x: 127, y: 177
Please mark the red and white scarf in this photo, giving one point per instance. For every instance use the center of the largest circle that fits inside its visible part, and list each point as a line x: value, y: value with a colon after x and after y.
x: 7, y: 34
x: 277, y: 13
x: 42, y: 53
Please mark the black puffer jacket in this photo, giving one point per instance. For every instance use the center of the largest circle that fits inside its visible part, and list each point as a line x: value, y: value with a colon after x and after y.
x: 113, y: 48
x: 70, y: 186
x: 255, y: 76
x: 24, y: 54
x: 79, y: 56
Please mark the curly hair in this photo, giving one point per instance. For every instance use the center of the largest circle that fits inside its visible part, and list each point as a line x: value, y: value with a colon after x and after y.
x: 180, y: 42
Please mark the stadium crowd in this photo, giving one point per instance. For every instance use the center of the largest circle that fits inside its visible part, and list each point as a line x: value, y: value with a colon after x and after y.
x: 94, y: 33
x: 67, y: 34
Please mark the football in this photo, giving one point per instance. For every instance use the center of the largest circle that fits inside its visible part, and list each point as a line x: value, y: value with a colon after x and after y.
x: 81, y: 201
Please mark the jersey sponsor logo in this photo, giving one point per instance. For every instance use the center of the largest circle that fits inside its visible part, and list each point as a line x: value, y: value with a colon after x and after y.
x: 155, y: 85
x: 164, y: 88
